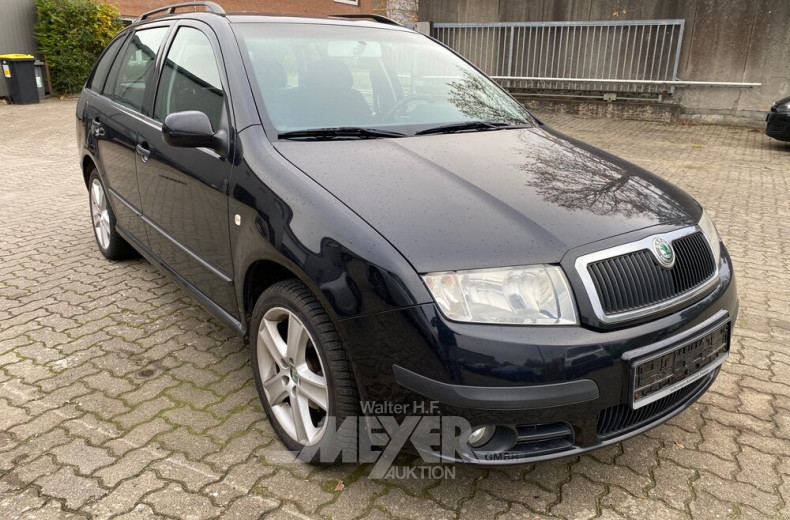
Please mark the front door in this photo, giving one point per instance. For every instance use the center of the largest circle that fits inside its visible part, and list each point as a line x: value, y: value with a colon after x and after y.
x: 184, y: 191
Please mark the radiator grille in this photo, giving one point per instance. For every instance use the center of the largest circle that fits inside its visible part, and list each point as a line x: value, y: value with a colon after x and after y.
x: 636, y: 280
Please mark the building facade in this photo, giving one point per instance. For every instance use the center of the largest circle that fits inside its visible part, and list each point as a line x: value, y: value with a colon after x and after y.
x: 724, y: 41
x: 19, y: 16
x: 16, y: 31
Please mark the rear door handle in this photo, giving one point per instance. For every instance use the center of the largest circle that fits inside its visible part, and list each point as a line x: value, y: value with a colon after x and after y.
x: 143, y: 152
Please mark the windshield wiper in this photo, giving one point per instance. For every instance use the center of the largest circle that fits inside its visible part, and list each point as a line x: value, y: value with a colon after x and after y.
x: 468, y: 125
x: 344, y: 131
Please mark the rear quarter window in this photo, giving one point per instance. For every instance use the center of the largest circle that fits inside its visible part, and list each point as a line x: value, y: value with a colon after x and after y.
x: 99, y: 75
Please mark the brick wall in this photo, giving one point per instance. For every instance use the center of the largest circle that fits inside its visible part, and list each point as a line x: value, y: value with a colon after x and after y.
x: 298, y: 7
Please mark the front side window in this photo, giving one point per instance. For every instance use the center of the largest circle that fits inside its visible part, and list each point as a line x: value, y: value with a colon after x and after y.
x: 136, y: 66
x: 190, y: 78
x: 319, y: 76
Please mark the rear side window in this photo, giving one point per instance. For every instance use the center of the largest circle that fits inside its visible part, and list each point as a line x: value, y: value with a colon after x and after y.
x: 136, y: 64
x: 190, y: 78
x: 99, y: 76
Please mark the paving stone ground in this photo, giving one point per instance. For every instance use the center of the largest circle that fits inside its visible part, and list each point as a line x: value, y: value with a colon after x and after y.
x: 121, y: 398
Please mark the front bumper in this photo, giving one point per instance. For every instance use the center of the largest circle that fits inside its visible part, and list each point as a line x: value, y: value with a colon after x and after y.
x: 778, y: 125
x: 554, y: 391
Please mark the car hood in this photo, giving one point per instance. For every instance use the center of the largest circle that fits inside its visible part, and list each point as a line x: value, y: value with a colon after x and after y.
x: 782, y: 101
x: 492, y: 198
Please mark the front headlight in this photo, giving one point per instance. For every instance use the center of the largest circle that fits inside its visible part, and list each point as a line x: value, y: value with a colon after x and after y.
x: 709, y: 230
x: 529, y: 295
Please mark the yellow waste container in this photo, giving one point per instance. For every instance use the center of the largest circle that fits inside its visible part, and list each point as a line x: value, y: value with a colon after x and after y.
x: 20, y: 78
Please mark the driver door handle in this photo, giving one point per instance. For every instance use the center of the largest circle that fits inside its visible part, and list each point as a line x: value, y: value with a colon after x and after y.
x: 144, y: 152
x: 97, y: 129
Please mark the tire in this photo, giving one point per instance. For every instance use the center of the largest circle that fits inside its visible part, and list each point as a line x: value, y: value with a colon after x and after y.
x: 296, y: 374
x: 110, y: 243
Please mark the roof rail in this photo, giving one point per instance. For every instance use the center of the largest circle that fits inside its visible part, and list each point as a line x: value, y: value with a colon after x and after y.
x: 211, y: 7
x: 374, y: 17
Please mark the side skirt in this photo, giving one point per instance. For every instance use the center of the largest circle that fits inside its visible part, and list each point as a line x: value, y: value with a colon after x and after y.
x: 215, y: 310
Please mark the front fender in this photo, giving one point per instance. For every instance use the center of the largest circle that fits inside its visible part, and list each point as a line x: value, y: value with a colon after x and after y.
x: 287, y: 218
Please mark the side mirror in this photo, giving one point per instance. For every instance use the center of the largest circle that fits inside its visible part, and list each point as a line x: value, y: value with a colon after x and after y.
x: 189, y: 129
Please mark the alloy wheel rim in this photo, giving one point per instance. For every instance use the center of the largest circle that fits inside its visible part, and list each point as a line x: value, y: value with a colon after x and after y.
x: 100, y: 214
x: 292, y: 375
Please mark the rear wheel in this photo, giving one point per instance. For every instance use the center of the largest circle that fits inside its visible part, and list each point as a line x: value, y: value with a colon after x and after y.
x: 110, y: 243
x: 301, y: 370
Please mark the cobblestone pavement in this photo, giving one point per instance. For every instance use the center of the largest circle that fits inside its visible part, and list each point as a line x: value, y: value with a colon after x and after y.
x: 120, y: 396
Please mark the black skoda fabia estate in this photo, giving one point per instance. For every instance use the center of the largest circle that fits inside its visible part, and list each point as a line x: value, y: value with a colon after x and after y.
x: 389, y: 229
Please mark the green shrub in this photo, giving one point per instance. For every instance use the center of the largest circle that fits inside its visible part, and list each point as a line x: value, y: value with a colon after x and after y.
x: 71, y: 34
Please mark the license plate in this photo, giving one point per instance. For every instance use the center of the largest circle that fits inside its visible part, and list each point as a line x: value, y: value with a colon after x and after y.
x: 660, y: 375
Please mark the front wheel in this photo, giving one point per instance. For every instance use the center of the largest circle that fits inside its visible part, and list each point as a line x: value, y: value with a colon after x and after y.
x: 111, y: 244
x: 301, y: 370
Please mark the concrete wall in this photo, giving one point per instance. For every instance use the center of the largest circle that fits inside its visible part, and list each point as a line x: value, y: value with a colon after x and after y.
x: 725, y: 40
x: 16, y: 30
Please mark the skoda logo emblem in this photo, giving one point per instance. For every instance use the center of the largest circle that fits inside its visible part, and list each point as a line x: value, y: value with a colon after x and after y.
x: 664, y: 252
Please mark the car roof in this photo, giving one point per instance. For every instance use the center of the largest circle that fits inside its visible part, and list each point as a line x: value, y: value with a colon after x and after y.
x: 291, y: 19
x: 355, y: 20
x: 250, y: 18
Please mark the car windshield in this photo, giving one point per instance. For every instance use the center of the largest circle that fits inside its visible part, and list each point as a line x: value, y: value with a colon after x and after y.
x: 395, y: 82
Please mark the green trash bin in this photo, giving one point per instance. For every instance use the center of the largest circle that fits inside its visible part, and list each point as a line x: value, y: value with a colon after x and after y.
x: 20, y: 78
x: 40, y: 82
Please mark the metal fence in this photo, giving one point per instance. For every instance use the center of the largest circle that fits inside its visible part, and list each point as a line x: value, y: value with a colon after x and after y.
x: 639, y: 56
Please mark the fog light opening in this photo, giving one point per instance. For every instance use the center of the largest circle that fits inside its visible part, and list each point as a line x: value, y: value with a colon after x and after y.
x: 480, y: 436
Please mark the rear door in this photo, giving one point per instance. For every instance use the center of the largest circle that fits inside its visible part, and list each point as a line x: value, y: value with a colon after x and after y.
x: 88, y: 116
x: 184, y: 191
x: 115, y: 120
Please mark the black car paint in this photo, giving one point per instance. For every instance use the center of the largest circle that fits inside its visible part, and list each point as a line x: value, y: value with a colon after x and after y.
x: 533, y: 213
x: 306, y: 229
x: 506, y: 356
x: 358, y: 241
x: 778, y: 121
